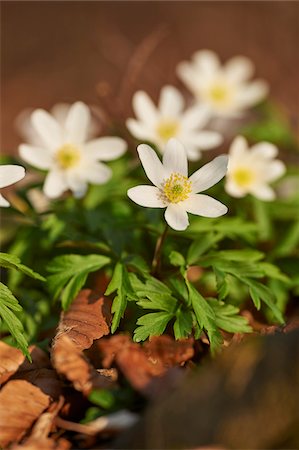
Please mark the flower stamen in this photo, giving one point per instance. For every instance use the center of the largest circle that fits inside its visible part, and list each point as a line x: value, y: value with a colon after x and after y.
x: 68, y: 156
x: 167, y: 129
x: 243, y: 177
x: 176, y: 188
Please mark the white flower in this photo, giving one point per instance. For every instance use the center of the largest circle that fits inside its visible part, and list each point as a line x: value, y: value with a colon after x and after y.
x: 250, y: 170
x: 59, y: 111
x: 71, y: 161
x: 225, y: 89
x: 9, y: 174
x: 170, y: 120
x: 173, y: 189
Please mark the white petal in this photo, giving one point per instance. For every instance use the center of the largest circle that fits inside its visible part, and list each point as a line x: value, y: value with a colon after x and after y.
x: 77, y: 123
x: 55, y: 184
x: 171, y: 101
x: 10, y: 174
x: 205, y: 140
x: 263, y: 192
x: 144, y: 108
x: 140, y: 130
x: 148, y: 196
x: 106, y: 148
x: 193, y: 153
x: 60, y: 112
x: 76, y: 183
x: 265, y: 150
x: 238, y: 152
x: 175, y: 158
x: 203, y: 205
x: 275, y: 169
x: 152, y: 165
x: 234, y: 189
x: 3, y: 202
x: 189, y: 76
x: 206, y: 61
x: 47, y: 128
x: 98, y: 173
x: 36, y: 156
x: 209, y: 174
x: 239, y: 69
x: 196, y: 117
x: 176, y: 217
x: 251, y: 93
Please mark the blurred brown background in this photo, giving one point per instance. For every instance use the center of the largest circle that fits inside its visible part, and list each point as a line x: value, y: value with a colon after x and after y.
x: 102, y: 51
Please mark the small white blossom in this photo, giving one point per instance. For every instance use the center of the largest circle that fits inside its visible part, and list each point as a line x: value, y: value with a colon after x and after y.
x: 225, y: 89
x: 250, y: 170
x: 59, y: 111
x: 170, y: 120
x: 9, y: 174
x: 71, y: 162
x: 173, y: 189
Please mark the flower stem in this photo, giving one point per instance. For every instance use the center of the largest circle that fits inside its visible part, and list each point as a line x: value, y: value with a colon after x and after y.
x: 157, y: 255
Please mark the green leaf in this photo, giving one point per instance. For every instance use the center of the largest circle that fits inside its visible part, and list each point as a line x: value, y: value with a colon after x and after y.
x: 152, y: 324
x: 70, y: 273
x: 13, y: 262
x: 119, y: 283
x: 183, y: 324
x: 247, y: 255
x: 272, y: 271
x: 201, y: 245
x: 228, y: 319
x: 236, y: 268
x: 222, y: 284
x: 205, y: 317
x: 257, y: 291
x: 177, y: 259
x: 8, y: 304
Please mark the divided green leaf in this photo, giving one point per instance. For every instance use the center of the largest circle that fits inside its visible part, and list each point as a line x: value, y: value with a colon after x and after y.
x: 9, y: 304
x: 70, y: 273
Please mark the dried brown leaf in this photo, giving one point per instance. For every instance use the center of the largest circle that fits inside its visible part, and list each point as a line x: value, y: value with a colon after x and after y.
x: 87, y: 319
x: 70, y: 362
x: 38, y: 438
x: 142, y: 363
x: 168, y: 351
x: 40, y: 373
x: 10, y: 360
x: 21, y: 404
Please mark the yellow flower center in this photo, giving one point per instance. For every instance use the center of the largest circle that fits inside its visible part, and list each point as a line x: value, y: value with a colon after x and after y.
x: 167, y: 129
x: 176, y: 188
x: 220, y: 93
x: 243, y: 177
x: 68, y: 156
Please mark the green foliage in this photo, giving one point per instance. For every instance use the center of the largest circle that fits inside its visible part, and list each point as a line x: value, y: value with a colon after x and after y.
x: 13, y: 262
x: 8, y: 306
x: 120, y: 284
x: 70, y: 273
x: 227, y: 317
x: 205, y: 317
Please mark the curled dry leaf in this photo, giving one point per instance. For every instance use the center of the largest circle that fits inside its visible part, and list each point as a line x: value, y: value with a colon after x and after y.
x: 169, y: 351
x: 10, y: 360
x: 38, y: 439
x: 140, y: 364
x: 39, y: 372
x: 21, y: 404
x: 87, y: 319
x: 70, y: 362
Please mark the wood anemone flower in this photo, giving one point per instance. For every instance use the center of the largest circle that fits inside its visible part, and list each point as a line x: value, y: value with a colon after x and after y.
x: 224, y: 89
x: 250, y: 170
x: 173, y: 189
x: 71, y: 162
